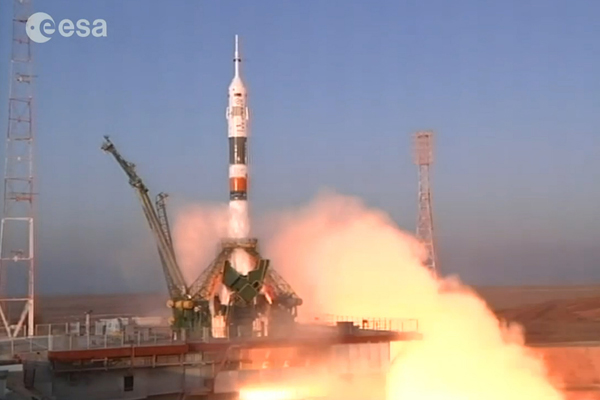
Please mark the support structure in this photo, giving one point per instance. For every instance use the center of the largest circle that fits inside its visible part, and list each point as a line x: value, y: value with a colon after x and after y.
x: 262, y: 292
x: 17, y: 250
x: 423, y: 155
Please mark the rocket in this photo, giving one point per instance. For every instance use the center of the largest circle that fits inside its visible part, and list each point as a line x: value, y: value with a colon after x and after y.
x: 237, y: 131
x: 237, y: 121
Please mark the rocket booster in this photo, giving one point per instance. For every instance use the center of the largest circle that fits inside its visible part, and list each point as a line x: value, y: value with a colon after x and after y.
x: 237, y: 126
x: 237, y: 119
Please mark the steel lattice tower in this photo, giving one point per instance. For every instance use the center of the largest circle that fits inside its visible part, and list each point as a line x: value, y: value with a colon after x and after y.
x: 423, y: 154
x: 17, y: 255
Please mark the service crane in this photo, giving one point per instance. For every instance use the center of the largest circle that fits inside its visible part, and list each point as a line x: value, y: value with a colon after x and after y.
x: 185, y: 313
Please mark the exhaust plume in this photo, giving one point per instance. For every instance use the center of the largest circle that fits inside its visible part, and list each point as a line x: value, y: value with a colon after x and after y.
x: 239, y: 228
x: 345, y: 259
x: 196, y: 235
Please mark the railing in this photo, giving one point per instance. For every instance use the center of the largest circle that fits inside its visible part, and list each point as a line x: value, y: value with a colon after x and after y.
x: 536, y: 333
x: 40, y: 344
x: 78, y: 336
x: 77, y: 325
x: 32, y: 345
x: 384, y: 324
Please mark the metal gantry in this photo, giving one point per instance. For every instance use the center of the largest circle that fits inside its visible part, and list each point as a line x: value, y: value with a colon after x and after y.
x: 17, y: 246
x: 175, y: 281
x: 423, y: 157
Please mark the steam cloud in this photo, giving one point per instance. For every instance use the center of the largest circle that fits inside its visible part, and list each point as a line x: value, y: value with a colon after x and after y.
x: 196, y: 235
x: 343, y: 258
x: 346, y: 259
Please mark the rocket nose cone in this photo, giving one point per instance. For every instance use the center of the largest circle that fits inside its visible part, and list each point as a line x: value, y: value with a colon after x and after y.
x: 237, y: 85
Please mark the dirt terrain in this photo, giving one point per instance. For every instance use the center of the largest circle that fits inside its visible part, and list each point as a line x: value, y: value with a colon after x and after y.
x: 505, y: 297
x: 549, y: 314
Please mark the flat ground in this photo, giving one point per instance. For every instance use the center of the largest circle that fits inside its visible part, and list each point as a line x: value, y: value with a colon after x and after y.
x: 548, y: 313
x: 503, y: 297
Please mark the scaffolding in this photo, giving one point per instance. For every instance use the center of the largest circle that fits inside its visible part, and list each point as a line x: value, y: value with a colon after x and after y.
x: 423, y: 154
x: 17, y: 251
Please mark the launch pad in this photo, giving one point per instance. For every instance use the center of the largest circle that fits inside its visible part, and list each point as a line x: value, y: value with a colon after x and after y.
x: 352, y: 356
x: 262, y: 303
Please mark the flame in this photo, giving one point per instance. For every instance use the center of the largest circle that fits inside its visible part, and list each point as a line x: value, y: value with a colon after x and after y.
x: 295, y: 389
x: 268, y: 394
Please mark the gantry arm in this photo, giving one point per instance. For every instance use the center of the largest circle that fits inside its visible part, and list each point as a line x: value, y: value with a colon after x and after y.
x: 281, y: 289
x: 173, y: 276
x: 205, y: 286
x: 163, y: 219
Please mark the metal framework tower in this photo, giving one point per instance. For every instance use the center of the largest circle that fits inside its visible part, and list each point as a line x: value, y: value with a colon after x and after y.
x: 423, y: 155
x: 17, y: 251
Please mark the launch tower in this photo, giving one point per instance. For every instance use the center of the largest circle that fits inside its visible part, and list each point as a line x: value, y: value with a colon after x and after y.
x: 423, y: 156
x: 17, y: 251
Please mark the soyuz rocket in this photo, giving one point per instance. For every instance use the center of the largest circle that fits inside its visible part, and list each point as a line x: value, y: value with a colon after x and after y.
x: 237, y: 125
x: 237, y: 121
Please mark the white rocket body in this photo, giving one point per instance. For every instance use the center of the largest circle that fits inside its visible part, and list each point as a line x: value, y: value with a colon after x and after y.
x: 237, y: 131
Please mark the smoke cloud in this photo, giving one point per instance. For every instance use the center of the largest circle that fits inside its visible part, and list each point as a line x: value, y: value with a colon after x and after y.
x: 196, y: 235
x: 346, y: 259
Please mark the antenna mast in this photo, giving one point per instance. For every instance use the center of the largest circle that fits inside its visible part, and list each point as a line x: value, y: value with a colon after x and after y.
x: 423, y: 154
x: 17, y: 250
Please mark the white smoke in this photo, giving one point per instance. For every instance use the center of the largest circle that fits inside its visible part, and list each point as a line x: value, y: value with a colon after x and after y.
x: 239, y: 221
x: 196, y: 235
x: 239, y: 228
x: 346, y: 259
x: 343, y: 258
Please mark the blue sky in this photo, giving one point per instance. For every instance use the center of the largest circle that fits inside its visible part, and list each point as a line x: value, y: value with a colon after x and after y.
x: 336, y: 88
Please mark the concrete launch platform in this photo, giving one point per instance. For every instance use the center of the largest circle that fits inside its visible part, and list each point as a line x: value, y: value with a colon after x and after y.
x: 106, y: 368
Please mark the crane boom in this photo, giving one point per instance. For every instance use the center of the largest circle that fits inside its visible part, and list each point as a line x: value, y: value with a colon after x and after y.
x: 173, y: 276
x: 163, y: 219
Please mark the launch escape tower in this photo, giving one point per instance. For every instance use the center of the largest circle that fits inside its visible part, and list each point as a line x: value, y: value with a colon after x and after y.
x: 17, y: 251
x: 423, y: 156
x: 262, y: 293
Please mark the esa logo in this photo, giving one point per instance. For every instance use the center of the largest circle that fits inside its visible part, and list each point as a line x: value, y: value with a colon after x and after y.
x: 40, y: 27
